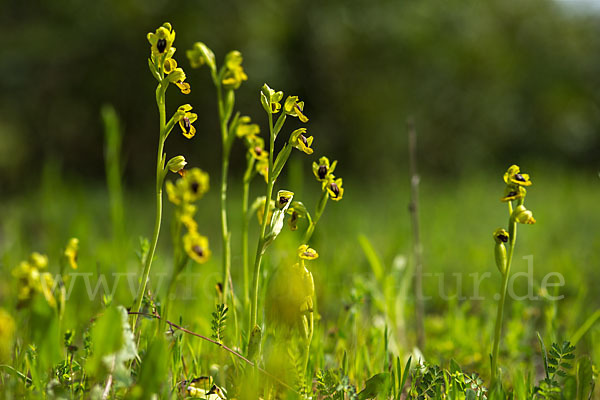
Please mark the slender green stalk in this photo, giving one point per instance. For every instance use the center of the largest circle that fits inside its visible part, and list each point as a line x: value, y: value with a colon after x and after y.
x: 245, y: 199
x: 178, y: 266
x: 261, y: 240
x: 512, y: 232
x: 225, y: 234
x: 160, y: 161
x: 308, y: 343
x: 313, y: 223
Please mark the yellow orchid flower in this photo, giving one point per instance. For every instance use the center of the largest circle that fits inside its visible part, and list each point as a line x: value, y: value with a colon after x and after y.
x: 294, y: 108
x: 196, y: 246
x: 334, y: 188
x: 323, y: 168
x: 513, y: 176
x: 161, y: 40
x: 299, y: 141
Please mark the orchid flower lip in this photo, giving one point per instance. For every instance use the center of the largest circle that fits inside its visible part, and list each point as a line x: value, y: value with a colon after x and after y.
x: 161, y: 44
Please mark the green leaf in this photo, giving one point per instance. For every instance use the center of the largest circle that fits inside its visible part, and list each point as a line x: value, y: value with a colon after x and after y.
x: 374, y: 260
x: 117, y: 362
x: 374, y: 386
x: 544, y: 355
x: 228, y: 106
x: 281, y: 159
x: 254, y: 343
x: 154, y: 367
x: 279, y: 124
x: 107, y: 338
x: 405, y: 374
x: 454, y: 367
x: 569, y: 388
x: 584, y: 378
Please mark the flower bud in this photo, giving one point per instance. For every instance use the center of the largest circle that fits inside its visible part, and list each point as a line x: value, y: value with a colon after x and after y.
x: 523, y: 215
x: 501, y: 259
x: 176, y: 164
x: 501, y: 236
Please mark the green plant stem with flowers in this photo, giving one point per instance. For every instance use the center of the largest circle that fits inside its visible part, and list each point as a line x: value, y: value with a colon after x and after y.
x: 164, y: 68
x: 270, y: 101
x: 515, y: 191
x: 160, y: 162
x: 245, y: 222
x: 260, y: 249
x: 227, y: 79
x: 225, y: 234
x: 312, y: 222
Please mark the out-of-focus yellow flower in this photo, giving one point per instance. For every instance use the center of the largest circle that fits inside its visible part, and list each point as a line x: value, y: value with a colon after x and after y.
x: 513, y: 192
x: 161, y: 40
x: 256, y: 147
x: 7, y: 331
x: 296, y: 210
x: 32, y: 281
x: 234, y: 74
x: 46, y: 285
x: 323, y: 169
x: 299, y: 141
x: 71, y: 252
x: 246, y: 129
x: 262, y: 167
x: 189, y: 188
x: 260, y: 211
x: 294, y: 108
x: 189, y: 222
x: 200, y: 54
x: 307, y: 253
x: 197, y: 184
x: 334, y: 188
x: 172, y: 193
x: 196, y: 246
x: 38, y: 260
x: 289, y: 296
x: 513, y: 176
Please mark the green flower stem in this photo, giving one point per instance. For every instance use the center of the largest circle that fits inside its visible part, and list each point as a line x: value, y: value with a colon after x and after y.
x: 312, y: 224
x: 512, y: 232
x: 179, y: 266
x: 308, y: 342
x: 226, y: 235
x: 160, y: 167
x: 245, y: 222
x: 261, y: 240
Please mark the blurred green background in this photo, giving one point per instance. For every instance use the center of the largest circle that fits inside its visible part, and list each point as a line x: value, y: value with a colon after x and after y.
x: 488, y: 83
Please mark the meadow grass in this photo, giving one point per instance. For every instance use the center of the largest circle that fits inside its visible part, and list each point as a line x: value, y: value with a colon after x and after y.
x: 355, y: 308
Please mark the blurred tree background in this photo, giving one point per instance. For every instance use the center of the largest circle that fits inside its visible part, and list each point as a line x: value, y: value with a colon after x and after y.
x: 488, y: 82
